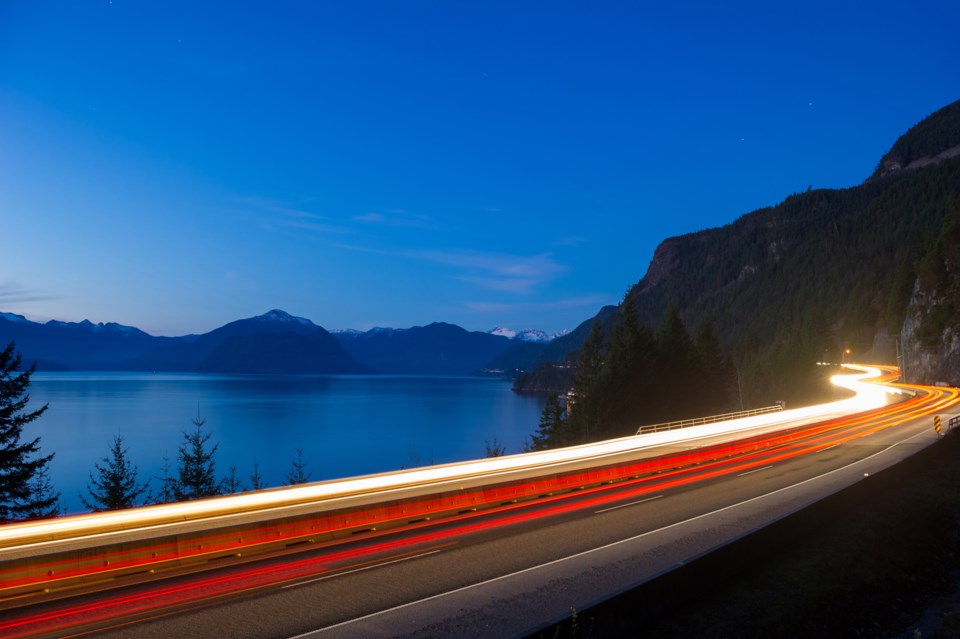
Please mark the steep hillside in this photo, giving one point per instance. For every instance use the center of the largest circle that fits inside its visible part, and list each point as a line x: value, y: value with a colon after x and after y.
x: 825, y: 270
x: 932, y: 140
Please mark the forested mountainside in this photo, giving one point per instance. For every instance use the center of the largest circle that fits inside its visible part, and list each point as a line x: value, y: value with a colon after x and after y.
x: 825, y: 270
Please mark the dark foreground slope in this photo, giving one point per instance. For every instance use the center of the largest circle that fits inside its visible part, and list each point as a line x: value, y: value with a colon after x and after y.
x: 879, y: 559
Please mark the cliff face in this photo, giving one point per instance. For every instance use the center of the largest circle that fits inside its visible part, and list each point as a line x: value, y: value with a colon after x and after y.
x: 924, y: 362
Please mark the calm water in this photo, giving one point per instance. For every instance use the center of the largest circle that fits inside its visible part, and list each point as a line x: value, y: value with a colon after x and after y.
x: 346, y: 425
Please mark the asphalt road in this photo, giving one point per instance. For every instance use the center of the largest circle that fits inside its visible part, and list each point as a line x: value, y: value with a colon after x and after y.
x: 476, y: 577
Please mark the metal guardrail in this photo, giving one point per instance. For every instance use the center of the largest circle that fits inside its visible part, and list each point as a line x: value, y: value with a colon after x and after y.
x: 697, y: 421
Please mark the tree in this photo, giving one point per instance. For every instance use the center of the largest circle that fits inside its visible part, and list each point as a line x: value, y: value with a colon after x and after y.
x: 197, y: 468
x: 588, y: 407
x: 550, y: 430
x: 298, y: 469
x: 494, y: 448
x: 167, y: 483
x: 256, y: 479
x: 116, y: 485
x: 20, y: 465
x: 232, y: 483
x: 44, y: 500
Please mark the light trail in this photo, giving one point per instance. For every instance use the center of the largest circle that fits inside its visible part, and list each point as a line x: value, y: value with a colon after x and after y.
x: 867, y: 396
x: 639, y: 479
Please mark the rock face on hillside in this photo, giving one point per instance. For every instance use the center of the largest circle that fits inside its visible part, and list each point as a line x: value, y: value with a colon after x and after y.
x: 825, y: 270
x: 933, y: 140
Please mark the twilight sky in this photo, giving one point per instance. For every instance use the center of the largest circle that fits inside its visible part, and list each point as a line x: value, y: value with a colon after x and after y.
x: 178, y: 165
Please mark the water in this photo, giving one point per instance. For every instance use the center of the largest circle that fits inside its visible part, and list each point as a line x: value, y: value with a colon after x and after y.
x: 346, y: 425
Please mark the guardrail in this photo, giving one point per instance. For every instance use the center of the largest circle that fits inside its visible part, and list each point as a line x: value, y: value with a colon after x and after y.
x: 697, y: 421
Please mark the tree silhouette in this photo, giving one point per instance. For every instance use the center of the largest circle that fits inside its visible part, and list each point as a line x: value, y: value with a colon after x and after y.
x: 256, y: 479
x: 116, y: 485
x: 197, y: 468
x: 298, y: 469
x: 22, y: 471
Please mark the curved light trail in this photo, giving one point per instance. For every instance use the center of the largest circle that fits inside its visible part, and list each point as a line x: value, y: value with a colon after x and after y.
x: 637, y: 464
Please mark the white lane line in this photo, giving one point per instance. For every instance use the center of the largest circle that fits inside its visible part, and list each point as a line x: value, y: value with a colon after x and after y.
x: 633, y: 503
x: 350, y: 572
x: 319, y: 631
x: 755, y: 470
x: 828, y: 448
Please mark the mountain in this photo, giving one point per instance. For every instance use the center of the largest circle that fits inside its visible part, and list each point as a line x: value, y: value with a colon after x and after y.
x: 275, y: 342
x: 826, y: 270
x: 527, y: 335
x: 542, y: 367
x: 289, y: 353
x: 57, y: 345
x: 435, y: 349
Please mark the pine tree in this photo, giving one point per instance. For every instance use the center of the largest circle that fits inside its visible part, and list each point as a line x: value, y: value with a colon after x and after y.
x: 550, y: 430
x: 494, y: 448
x: 20, y: 465
x: 167, y: 481
x: 256, y: 479
x: 675, y: 362
x: 197, y: 466
x: 232, y: 483
x: 116, y: 485
x: 588, y: 397
x: 298, y: 469
x: 44, y: 501
x: 717, y: 382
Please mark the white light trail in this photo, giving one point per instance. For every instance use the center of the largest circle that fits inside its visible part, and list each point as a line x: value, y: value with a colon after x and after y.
x: 867, y: 396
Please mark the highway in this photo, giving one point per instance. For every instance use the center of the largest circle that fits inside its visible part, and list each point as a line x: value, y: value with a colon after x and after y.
x: 515, y: 567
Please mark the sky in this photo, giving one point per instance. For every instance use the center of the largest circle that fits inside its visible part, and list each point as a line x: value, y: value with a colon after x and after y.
x: 179, y: 165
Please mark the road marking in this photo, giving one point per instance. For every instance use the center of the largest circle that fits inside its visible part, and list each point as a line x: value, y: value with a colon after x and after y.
x: 319, y: 631
x: 828, y: 447
x: 350, y: 572
x: 755, y: 470
x: 634, y: 503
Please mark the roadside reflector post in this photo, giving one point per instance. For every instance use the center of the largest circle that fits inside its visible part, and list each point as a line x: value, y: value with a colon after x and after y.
x: 936, y: 425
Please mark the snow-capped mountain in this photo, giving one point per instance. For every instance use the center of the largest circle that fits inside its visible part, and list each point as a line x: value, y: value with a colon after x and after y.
x: 528, y: 335
x: 276, y: 315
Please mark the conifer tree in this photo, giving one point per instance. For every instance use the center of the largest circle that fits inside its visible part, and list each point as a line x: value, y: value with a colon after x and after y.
x: 494, y: 448
x: 298, y: 473
x: 588, y: 399
x: 44, y: 500
x: 167, y: 483
x: 256, y: 479
x: 232, y: 483
x: 715, y: 371
x: 21, y: 466
x: 116, y: 485
x: 197, y: 466
x: 550, y: 431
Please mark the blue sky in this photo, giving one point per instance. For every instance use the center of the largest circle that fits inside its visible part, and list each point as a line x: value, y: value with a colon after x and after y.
x: 178, y: 165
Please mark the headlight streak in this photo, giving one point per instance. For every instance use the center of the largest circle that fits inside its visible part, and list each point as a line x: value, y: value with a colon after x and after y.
x: 753, y: 452
x: 817, y: 438
x: 112, y: 562
x: 867, y: 396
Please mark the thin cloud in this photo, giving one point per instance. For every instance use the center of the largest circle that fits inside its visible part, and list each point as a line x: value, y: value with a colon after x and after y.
x: 520, y: 274
x: 396, y: 218
x: 14, y: 293
x: 280, y: 215
x: 498, y: 271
